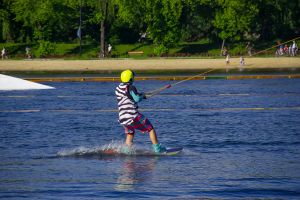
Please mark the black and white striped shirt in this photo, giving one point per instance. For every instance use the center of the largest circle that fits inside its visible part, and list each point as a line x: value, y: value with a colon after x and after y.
x: 128, y: 108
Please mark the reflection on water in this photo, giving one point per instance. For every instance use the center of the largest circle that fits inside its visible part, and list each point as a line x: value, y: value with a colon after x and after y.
x: 134, y: 172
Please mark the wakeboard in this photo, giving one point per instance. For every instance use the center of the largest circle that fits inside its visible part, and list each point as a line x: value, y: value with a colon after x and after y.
x: 141, y: 152
x: 172, y: 151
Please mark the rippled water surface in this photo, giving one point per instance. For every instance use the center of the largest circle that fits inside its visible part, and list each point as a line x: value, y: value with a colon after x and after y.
x: 241, y: 139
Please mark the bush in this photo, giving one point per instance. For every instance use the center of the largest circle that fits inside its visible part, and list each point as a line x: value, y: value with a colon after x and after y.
x: 239, y: 49
x: 159, y: 50
x: 45, y: 48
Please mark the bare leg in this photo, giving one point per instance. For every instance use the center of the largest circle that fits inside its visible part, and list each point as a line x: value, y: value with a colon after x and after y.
x: 153, y: 136
x: 129, y: 139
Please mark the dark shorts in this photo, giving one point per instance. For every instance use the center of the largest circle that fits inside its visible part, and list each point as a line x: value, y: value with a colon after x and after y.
x: 139, y: 123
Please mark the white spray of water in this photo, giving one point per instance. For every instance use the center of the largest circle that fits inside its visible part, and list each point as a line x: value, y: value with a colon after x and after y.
x: 114, y: 145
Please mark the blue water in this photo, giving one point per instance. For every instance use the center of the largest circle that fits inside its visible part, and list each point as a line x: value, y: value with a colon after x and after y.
x: 241, y: 140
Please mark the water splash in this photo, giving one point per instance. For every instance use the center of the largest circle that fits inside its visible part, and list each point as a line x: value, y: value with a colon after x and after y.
x: 112, y: 148
x: 188, y: 152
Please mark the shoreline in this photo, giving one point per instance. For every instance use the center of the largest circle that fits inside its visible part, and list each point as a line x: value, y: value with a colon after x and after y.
x: 160, y: 64
x: 159, y: 78
x: 57, y: 70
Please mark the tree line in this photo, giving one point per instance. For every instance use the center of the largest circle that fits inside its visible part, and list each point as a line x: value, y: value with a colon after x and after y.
x: 163, y: 22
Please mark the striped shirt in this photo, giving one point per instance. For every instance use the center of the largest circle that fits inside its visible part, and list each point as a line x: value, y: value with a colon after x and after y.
x: 128, y: 108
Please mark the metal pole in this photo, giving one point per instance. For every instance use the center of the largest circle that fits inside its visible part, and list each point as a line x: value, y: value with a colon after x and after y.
x: 80, y: 25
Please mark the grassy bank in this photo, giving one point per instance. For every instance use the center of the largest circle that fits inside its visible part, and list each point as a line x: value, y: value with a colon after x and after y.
x: 90, y: 50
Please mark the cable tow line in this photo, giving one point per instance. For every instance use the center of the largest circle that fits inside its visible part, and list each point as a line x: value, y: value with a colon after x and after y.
x: 275, y: 46
x: 157, y: 91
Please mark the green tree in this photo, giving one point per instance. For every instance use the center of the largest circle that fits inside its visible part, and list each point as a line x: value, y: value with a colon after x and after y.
x: 132, y: 12
x: 166, y: 21
x: 163, y: 23
x: 7, y: 25
x: 278, y: 19
x: 102, y: 13
x: 47, y: 19
x: 196, y: 20
x: 234, y: 18
x: 129, y: 21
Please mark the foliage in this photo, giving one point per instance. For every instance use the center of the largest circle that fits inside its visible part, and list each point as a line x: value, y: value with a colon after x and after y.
x: 234, y: 18
x: 159, y: 50
x: 196, y: 19
x: 165, y: 22
x: 45, y: 48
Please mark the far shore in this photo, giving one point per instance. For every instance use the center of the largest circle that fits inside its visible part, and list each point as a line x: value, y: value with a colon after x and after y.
x: 157, y: 64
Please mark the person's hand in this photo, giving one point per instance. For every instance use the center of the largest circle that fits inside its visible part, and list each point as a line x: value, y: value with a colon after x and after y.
x: 144, y: 96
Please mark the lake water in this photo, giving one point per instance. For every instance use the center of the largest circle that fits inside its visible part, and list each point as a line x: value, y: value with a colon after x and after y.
x: 241, y: 140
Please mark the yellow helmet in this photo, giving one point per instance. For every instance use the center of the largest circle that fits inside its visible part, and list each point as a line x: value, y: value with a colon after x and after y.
x: 127, y: 76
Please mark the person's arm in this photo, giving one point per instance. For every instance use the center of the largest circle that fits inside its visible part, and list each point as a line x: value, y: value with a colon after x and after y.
x: 137, y: 97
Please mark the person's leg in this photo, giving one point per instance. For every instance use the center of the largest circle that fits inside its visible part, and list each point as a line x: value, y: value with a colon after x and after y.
x: 129, y: 139
x: 153, y: 136
x: 129, y: 131
x: 293, y: 52
x: 127, y: 148
x: 147, y: 127
x: 144, y: 125
x: 157, y: 148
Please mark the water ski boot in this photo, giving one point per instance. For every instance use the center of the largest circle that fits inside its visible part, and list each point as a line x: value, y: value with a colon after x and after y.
x: 157, y: 148
x: 127, y: 150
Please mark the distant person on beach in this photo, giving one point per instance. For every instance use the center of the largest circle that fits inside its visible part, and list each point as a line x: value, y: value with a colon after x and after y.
x: 294, y: 48
x: 142, y: 37
x: 28, y: 52
x: 109, y: 49
x: 4, y: 53
x: 286, y: 49
x: 225, y: 52
x: 242, y: 61
x: 227, y: 59
x: 290, y: 49
x: 249, y: 48
x: 128, y: 98
x: 279, y: 50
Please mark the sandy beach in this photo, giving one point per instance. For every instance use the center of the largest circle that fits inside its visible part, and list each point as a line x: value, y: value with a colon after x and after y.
x: 55, y: 65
